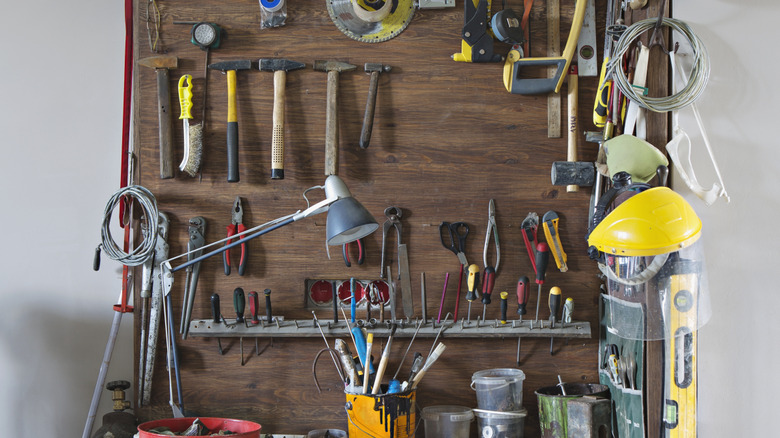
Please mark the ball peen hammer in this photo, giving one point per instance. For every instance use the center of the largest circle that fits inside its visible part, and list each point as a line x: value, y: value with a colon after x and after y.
x: 374, y: 69
x: 161, y: 64
x: 230, y: 68
x: 280, y: 67
x: 333, y: 68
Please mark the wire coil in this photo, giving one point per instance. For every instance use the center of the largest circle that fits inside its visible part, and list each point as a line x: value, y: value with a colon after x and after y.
x: 697, y: 80
x: 145, y: 250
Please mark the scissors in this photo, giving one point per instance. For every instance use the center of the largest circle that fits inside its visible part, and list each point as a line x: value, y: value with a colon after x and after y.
x: 457, y: 240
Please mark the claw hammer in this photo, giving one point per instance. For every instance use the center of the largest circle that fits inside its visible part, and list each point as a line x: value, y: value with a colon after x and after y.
x: 333, y: 68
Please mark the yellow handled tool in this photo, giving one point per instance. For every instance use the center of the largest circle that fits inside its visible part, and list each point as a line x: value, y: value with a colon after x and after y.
x: 193, y: 135
x: 550, y: 222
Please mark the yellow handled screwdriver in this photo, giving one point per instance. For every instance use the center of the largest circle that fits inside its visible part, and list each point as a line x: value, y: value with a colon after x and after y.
x: 471, y: 295
x: 554, y: 302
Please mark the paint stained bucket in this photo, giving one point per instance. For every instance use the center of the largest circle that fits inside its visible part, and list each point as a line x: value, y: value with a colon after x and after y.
x: 381, y: 415
x: 499, y: 389
x: 240, y: 428
x: 552, y: 405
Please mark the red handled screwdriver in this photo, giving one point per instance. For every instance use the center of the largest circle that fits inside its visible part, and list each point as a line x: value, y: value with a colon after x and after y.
x: 522, y: 300
x: 542, y: 257
x: 488, y: 281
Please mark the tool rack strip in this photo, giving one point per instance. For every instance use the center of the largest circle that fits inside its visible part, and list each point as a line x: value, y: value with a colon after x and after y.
x: 447, y: 138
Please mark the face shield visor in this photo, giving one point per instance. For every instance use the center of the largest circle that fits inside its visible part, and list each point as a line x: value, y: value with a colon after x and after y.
x: 654, y: 264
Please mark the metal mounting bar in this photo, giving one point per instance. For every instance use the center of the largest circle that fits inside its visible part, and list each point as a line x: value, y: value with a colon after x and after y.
x: 405, y: 329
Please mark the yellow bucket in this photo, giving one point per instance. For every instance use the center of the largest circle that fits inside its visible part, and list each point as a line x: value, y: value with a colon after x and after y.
x: 381, y: 415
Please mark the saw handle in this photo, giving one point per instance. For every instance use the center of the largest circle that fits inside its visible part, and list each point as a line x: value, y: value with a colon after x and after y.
x: 232, y: 129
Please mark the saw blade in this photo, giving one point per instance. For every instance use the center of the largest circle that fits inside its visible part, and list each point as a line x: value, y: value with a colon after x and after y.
x: 344, y: 18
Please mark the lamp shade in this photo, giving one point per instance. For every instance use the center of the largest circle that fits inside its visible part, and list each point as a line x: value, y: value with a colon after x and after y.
x: 348, y: 221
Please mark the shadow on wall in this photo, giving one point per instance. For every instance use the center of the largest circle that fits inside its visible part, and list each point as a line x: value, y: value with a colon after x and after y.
x: 50, y: 367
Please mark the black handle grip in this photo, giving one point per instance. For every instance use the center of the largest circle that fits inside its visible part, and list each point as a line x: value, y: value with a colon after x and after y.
x: 96, y: 260
x: 268, y: 311
x: 239, y: 303
x: 503, y: 306
x: 232, y: 151
x: 471, y: 295
x: 215, y: 312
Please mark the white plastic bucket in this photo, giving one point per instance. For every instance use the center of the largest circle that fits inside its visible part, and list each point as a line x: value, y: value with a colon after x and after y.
x: 499, y: 389
x: 447, y: 421
x: 501, y: 424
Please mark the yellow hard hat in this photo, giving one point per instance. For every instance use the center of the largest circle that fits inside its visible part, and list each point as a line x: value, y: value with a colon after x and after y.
x: 653, y: 222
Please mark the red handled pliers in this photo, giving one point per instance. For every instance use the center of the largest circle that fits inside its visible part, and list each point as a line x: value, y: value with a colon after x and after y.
x: 236, y: 227
x: 361, y: 253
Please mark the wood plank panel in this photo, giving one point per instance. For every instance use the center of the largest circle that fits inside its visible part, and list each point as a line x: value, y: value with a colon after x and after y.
x: 447, y: 138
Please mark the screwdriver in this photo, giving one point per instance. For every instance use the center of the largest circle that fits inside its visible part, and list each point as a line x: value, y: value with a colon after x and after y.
x: 522, y: 300
x: 554, y: 302
x: 369, y: 345
x: 471, y: 295
x: 488, y: 281
x: 503, y: 296
x: 253, y: 305
x: 215, y: 312
x: 268, y: 312
x: 238, y: 305
x: 542, y: 257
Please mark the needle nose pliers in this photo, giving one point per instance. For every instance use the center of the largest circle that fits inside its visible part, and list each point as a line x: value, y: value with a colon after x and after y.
x: 236, y: 227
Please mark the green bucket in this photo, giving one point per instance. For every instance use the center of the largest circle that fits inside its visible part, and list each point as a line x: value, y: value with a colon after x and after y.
x: 552, y: 405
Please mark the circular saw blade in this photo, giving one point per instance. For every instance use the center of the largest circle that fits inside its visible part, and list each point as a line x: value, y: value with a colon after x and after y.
x: 344, y: 18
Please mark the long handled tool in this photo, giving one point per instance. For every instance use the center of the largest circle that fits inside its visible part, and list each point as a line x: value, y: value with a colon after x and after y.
x: 333, y: 68
x: 197, y: 232
x: 161, y: 64
x: 160, y: 255
x: 229, y: 68
x: 280, y: 67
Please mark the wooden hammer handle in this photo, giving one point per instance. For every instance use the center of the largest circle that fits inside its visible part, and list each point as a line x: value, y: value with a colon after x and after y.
x: 571, y: 154
x: 277, y: 140
x: 368, y: 116
x: 165, y: 123
x: 331, y: 126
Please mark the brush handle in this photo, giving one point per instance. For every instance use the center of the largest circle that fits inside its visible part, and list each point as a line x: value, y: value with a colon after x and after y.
x: 277, y: 141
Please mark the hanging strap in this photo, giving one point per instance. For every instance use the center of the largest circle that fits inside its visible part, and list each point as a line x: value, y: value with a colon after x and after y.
x: 680, y: 139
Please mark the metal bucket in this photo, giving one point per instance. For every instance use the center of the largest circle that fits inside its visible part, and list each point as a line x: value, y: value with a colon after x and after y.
x: 552, y: 405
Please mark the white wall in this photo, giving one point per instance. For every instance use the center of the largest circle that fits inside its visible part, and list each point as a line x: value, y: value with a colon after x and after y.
x: 61, y: 73
x: 738, y: 352
x: 60, y: 125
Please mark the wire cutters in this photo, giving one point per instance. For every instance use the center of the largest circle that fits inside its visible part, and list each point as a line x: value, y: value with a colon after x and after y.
x: 361, y: 253
x: 236, y: 227
x: 196, y: 231
x: 489, y: 278
x: 457, y: 241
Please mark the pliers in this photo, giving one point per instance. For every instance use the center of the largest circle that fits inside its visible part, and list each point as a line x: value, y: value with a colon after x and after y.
x: 236, y: 227
x: 489, y: 278
x: 361, y: 253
